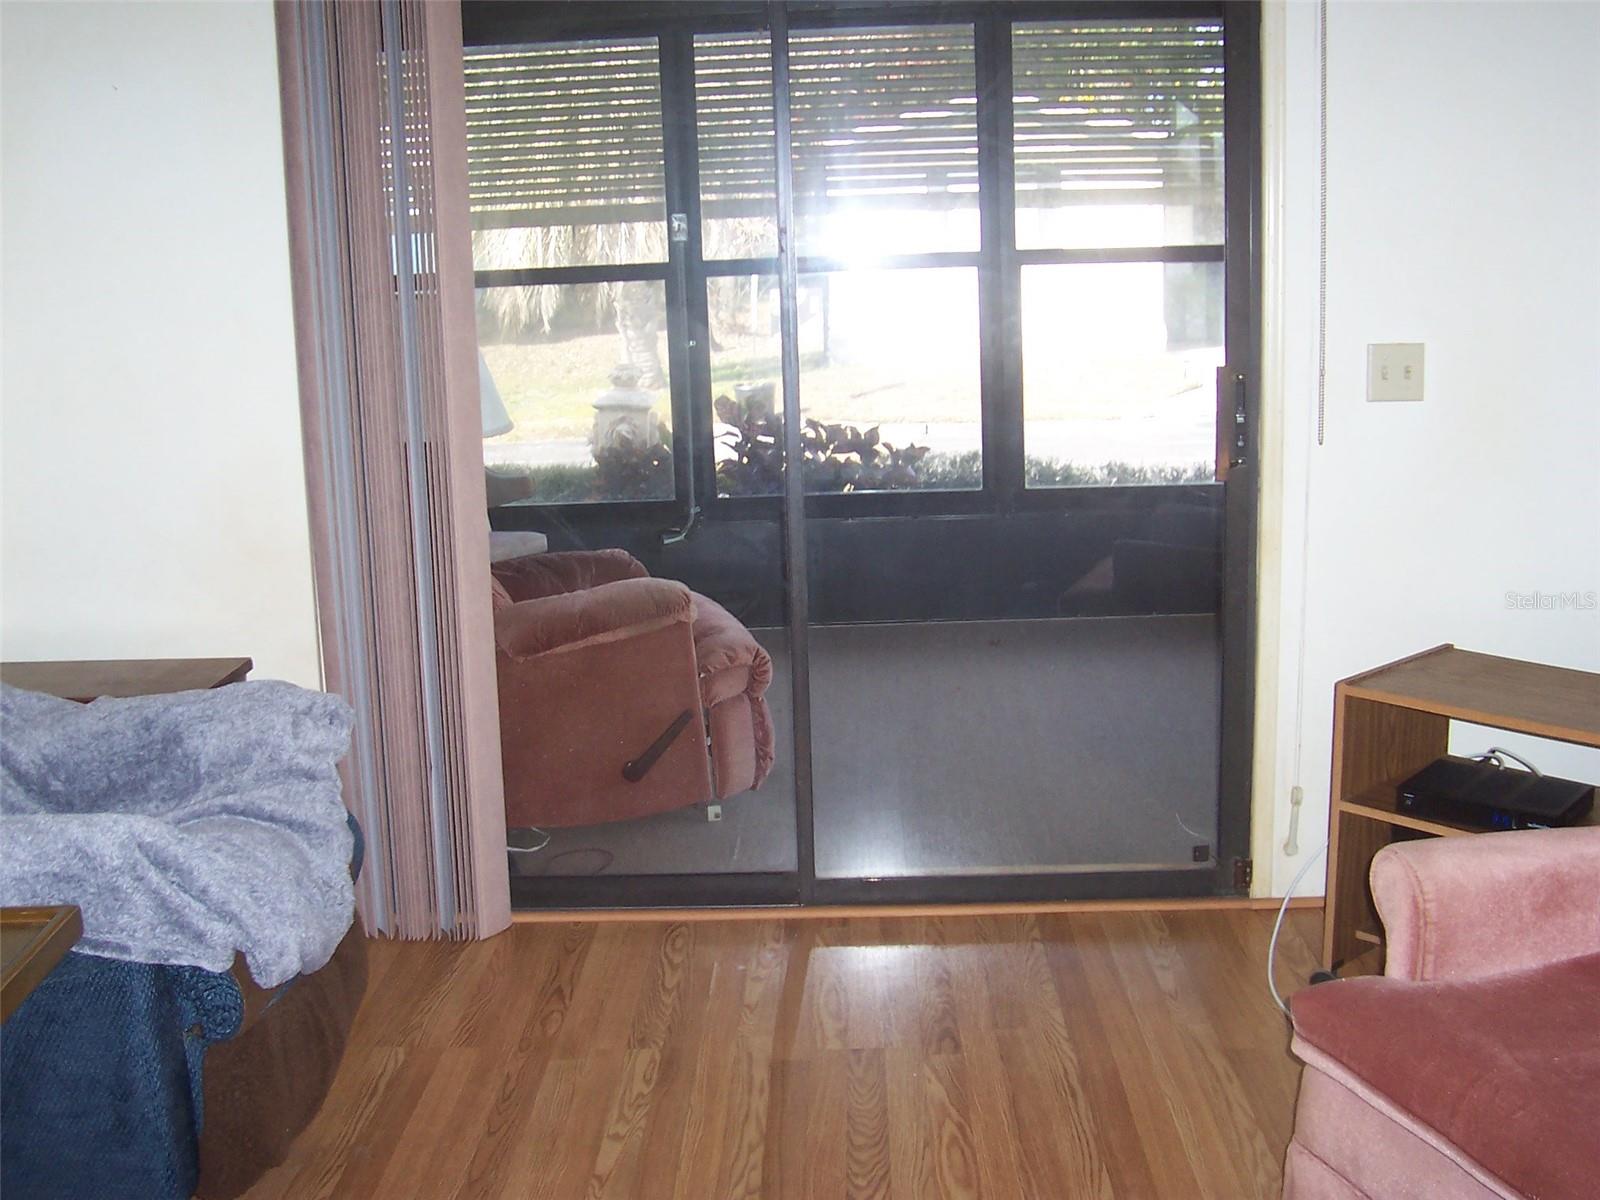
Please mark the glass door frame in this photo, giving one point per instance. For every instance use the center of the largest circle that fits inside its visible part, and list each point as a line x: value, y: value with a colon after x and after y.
x: 686, y: 273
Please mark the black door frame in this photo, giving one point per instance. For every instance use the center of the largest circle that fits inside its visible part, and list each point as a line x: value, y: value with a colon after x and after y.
x: 685, y: 275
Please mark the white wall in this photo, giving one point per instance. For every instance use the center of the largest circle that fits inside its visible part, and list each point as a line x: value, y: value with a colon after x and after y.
x: 1463, y: 171
x: 153, y: 498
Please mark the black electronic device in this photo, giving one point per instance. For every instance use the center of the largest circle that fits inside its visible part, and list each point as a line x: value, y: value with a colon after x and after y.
x: 1482, y: 793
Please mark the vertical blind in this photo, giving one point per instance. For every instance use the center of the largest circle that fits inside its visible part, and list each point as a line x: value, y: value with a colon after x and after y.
x: 375, y: 158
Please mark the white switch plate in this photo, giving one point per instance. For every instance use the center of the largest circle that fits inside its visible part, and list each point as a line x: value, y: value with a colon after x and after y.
x: 1394, y: 371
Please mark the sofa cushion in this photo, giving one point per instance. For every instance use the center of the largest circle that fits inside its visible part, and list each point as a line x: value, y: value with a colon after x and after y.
x: 1345, y: 1147
x: 1502, y: 1072
x: 612, y: 612
x: 540, y: 575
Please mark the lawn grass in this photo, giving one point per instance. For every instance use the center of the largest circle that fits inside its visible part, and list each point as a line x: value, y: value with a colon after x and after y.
x: 549, y: 387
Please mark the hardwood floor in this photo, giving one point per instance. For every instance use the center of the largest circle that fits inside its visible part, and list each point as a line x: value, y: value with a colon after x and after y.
x: 1093, y: 1054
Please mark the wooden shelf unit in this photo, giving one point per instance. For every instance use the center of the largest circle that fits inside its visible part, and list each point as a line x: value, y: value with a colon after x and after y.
x: 1390, y: 723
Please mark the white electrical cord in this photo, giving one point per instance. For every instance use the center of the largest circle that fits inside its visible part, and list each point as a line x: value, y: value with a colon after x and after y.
x: 530, y: 849
x: 1272, y: 946
x: 1497, y: 755
x: 1322, y: 222
x: 1291, y: 844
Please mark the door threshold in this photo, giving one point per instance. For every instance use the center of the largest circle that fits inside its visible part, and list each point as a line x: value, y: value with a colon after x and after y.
x: 798, y: 912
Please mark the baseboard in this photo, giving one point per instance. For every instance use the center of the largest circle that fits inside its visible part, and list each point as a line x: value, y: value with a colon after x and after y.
x: 839, y: 912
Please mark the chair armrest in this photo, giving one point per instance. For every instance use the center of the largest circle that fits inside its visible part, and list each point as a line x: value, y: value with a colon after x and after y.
x: 1467, y: 907
x: 610, y: 612
x: 534, y: 576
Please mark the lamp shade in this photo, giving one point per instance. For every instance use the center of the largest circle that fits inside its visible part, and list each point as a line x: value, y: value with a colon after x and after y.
x: 495, y: 418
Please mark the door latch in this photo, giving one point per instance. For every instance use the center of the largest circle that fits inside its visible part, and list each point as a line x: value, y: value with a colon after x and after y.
x: 1233, y: 421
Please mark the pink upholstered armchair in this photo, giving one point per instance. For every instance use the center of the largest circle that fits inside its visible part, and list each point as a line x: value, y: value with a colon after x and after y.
x: 1471, y: 1068
x: 621, y: 695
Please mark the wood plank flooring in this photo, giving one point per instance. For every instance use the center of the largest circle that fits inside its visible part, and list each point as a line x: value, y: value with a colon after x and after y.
x: 1092, y: 1054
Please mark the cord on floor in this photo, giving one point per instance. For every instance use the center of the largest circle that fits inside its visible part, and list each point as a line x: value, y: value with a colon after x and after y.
x: 1277, y: 926
x: 529, y: 849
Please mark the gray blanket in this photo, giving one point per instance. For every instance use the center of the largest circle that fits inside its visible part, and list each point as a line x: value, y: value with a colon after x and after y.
x: 186, y: 827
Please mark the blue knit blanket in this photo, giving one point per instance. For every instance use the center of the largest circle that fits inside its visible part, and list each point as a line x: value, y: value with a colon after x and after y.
x: 187, y: 827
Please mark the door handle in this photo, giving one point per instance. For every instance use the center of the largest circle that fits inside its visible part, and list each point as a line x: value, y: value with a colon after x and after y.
x: 678, y: 249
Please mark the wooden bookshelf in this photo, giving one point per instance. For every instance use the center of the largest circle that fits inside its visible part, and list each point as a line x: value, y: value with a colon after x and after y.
x: 1390, y: 723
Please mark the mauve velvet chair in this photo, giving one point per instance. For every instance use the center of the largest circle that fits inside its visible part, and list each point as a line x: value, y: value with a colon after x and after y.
x: 1471, y: 1068
x: 621, y: 695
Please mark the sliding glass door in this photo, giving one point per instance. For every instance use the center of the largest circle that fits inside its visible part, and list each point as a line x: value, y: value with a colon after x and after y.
x: 665, y: 735
x: 1006, y: 596
x: 1018, y: 651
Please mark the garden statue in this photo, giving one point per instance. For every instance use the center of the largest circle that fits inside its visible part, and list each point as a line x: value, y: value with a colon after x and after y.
x: 625, y: 414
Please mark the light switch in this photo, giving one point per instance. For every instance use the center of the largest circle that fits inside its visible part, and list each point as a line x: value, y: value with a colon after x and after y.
x: 1394, y: 371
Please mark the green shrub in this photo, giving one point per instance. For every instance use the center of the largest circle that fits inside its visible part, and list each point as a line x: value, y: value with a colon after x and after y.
x: 839, y: 458
x: 628, y: 470
x: 1043, y: 472
x: 834, y: 458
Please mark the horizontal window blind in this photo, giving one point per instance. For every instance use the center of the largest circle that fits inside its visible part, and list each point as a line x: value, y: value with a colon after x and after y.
x: 882, y: 114
x: 565, y: 134
x: 733, y: 102
x: 1110, y: 112
x: 571, y: 133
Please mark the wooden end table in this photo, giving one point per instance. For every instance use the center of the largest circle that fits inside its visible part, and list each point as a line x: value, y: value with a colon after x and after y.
x: 1391, y: 722
x: 32, y: 942
x: 87, y: 680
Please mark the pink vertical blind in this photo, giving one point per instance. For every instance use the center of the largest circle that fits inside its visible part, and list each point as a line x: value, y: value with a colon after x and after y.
x: 375, y: 152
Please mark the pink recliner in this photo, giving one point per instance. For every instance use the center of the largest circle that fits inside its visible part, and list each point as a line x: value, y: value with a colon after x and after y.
x: 621, y: 695
x: 1471, y: 1068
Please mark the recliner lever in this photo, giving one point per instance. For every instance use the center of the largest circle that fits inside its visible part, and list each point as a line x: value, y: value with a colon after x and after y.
x: 636, y: 769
